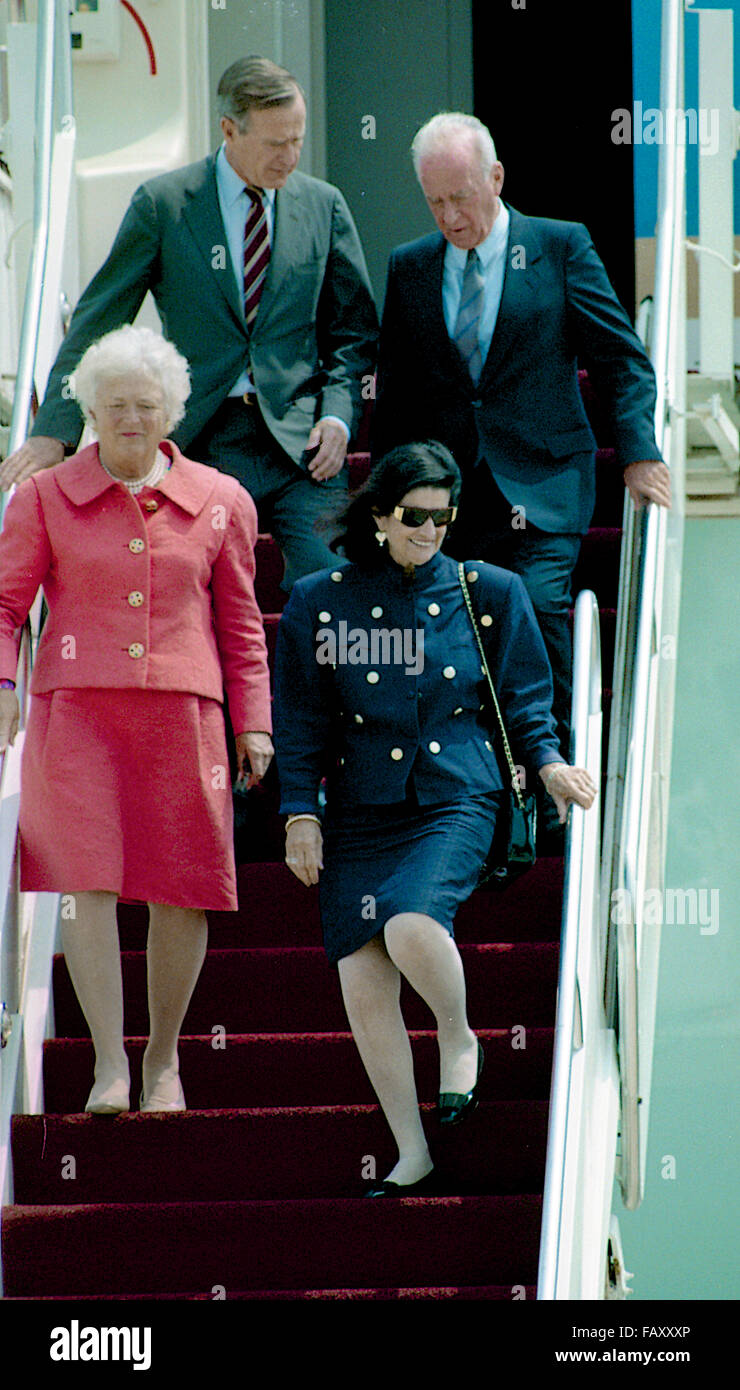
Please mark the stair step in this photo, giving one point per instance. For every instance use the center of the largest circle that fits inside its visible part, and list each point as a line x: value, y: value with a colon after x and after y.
x: 277, y: 1069
x: 440, y: 1293
x: 66, y: 1251
x: 597, y: 567
x: 262, y: 1153
x: 491, y: 1293
x: 280, y: 989
x: 285, y: 913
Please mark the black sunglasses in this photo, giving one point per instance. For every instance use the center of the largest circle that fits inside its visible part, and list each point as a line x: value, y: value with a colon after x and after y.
x: 416, y: 516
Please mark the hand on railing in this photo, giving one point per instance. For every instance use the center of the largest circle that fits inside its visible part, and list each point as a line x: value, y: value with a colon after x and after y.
x: 567, y: 784
x: 648, y: 481
x: 10, y: 715
x: 40, y: 451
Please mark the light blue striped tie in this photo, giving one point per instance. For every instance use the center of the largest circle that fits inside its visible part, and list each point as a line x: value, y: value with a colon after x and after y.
x: 469, y: 314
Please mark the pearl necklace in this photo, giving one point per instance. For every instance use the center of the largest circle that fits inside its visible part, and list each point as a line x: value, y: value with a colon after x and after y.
x: 152, y: 479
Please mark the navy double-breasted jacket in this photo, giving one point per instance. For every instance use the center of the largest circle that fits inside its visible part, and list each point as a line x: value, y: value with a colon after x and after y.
x: 380, y: 685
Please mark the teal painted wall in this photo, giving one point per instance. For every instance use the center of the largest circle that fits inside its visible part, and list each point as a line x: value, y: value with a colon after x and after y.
x: 683, y: 1241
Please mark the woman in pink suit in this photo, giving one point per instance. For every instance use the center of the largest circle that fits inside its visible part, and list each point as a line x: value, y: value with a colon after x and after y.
x: 146, y: 560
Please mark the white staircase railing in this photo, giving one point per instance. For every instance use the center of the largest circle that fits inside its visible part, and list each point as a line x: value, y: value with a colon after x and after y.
x: 42, y: 324
x: 585, y: 1080
x: 28, y: 921
x: 641, y: 726
x: 609, y: 957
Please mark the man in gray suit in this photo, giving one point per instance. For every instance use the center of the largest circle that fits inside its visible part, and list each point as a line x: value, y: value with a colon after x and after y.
x: 260, y: 281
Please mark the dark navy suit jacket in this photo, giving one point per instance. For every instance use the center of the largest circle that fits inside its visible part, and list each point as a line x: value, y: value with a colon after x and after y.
x: 377, y: 729
x: 525, y: 416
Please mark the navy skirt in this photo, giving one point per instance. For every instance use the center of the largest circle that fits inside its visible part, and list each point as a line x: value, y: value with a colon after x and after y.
x: 382, y: 860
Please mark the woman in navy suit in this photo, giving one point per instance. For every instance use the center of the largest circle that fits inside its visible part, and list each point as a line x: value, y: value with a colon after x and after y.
x: 379, y: 689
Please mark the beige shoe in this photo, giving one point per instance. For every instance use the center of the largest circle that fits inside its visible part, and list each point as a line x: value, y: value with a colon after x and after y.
x: 155, y: 1102
x: 110, y: 1100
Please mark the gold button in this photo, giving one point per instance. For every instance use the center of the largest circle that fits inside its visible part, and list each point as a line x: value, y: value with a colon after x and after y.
x: 486, y: 620
x: 472, y: 576
x: 376, y: 612
x: 151, y: 504
x: 136, y: 650
x: 458, y: 710
x: 324, y: 617
x: 434, y: 609
x: 136, y: 545
x: 488, y: 746
x: 136, y: 598
x: 434, y: 747
x: 449, y: 672
x: 336, y: 576
x: 359, y: 719
x: 396, y: 754
x: 372, y: 677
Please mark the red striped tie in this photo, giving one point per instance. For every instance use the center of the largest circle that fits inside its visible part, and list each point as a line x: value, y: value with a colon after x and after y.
x: 256, y: 254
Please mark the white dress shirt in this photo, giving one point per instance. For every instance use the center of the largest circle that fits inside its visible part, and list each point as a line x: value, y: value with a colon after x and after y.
x: 234, y: 208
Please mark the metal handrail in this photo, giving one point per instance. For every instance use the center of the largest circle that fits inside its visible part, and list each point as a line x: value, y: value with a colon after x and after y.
x: 582, y: 849
x: 22, y: 682
x: 44, y: 129
x: 46, y: 39
x: 27, y: 958
x: 629, y: 784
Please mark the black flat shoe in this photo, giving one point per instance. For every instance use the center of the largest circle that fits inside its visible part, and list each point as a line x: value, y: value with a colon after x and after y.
x: 453, y: 1107
x: 402, y: 1189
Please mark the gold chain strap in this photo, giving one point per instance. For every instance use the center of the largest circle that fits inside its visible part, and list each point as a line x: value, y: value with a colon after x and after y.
x: 507, y: 750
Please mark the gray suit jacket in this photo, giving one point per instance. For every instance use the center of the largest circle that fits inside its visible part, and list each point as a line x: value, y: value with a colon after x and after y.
x: 314, y: 336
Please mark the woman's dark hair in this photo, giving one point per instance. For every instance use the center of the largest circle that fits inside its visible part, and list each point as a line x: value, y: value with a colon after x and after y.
x: 406, y: 467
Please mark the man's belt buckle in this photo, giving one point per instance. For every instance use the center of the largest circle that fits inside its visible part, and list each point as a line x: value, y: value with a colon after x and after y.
x: 250, y: 398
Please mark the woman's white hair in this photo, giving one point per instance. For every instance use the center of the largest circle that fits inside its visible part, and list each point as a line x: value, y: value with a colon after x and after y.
x: 127, y: 352
x: 444, y: 129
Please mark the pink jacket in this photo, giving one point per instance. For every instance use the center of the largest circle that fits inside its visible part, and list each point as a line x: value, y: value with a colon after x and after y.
x: 156, y: 594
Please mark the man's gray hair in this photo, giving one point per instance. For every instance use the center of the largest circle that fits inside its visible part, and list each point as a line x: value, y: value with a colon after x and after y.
x: 254, y: 84
x: 133, y: 351
x: 445, y: 129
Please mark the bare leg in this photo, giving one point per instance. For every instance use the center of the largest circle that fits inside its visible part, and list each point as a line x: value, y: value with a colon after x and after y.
x: 427, y: 955
x: 371, y: 988
x: 92, y: 953
x: 176, y: 948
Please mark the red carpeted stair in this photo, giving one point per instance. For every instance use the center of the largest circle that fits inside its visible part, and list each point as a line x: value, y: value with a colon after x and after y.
x: 254, y: 1191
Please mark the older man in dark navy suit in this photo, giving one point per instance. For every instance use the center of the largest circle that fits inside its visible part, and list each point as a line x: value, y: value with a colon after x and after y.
x: 482, y: 331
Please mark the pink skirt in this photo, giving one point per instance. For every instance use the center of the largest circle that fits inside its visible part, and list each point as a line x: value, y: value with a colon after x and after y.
x: 128, y: 792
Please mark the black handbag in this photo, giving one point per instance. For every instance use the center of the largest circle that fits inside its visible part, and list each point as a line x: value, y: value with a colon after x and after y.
x: 512, y: 849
